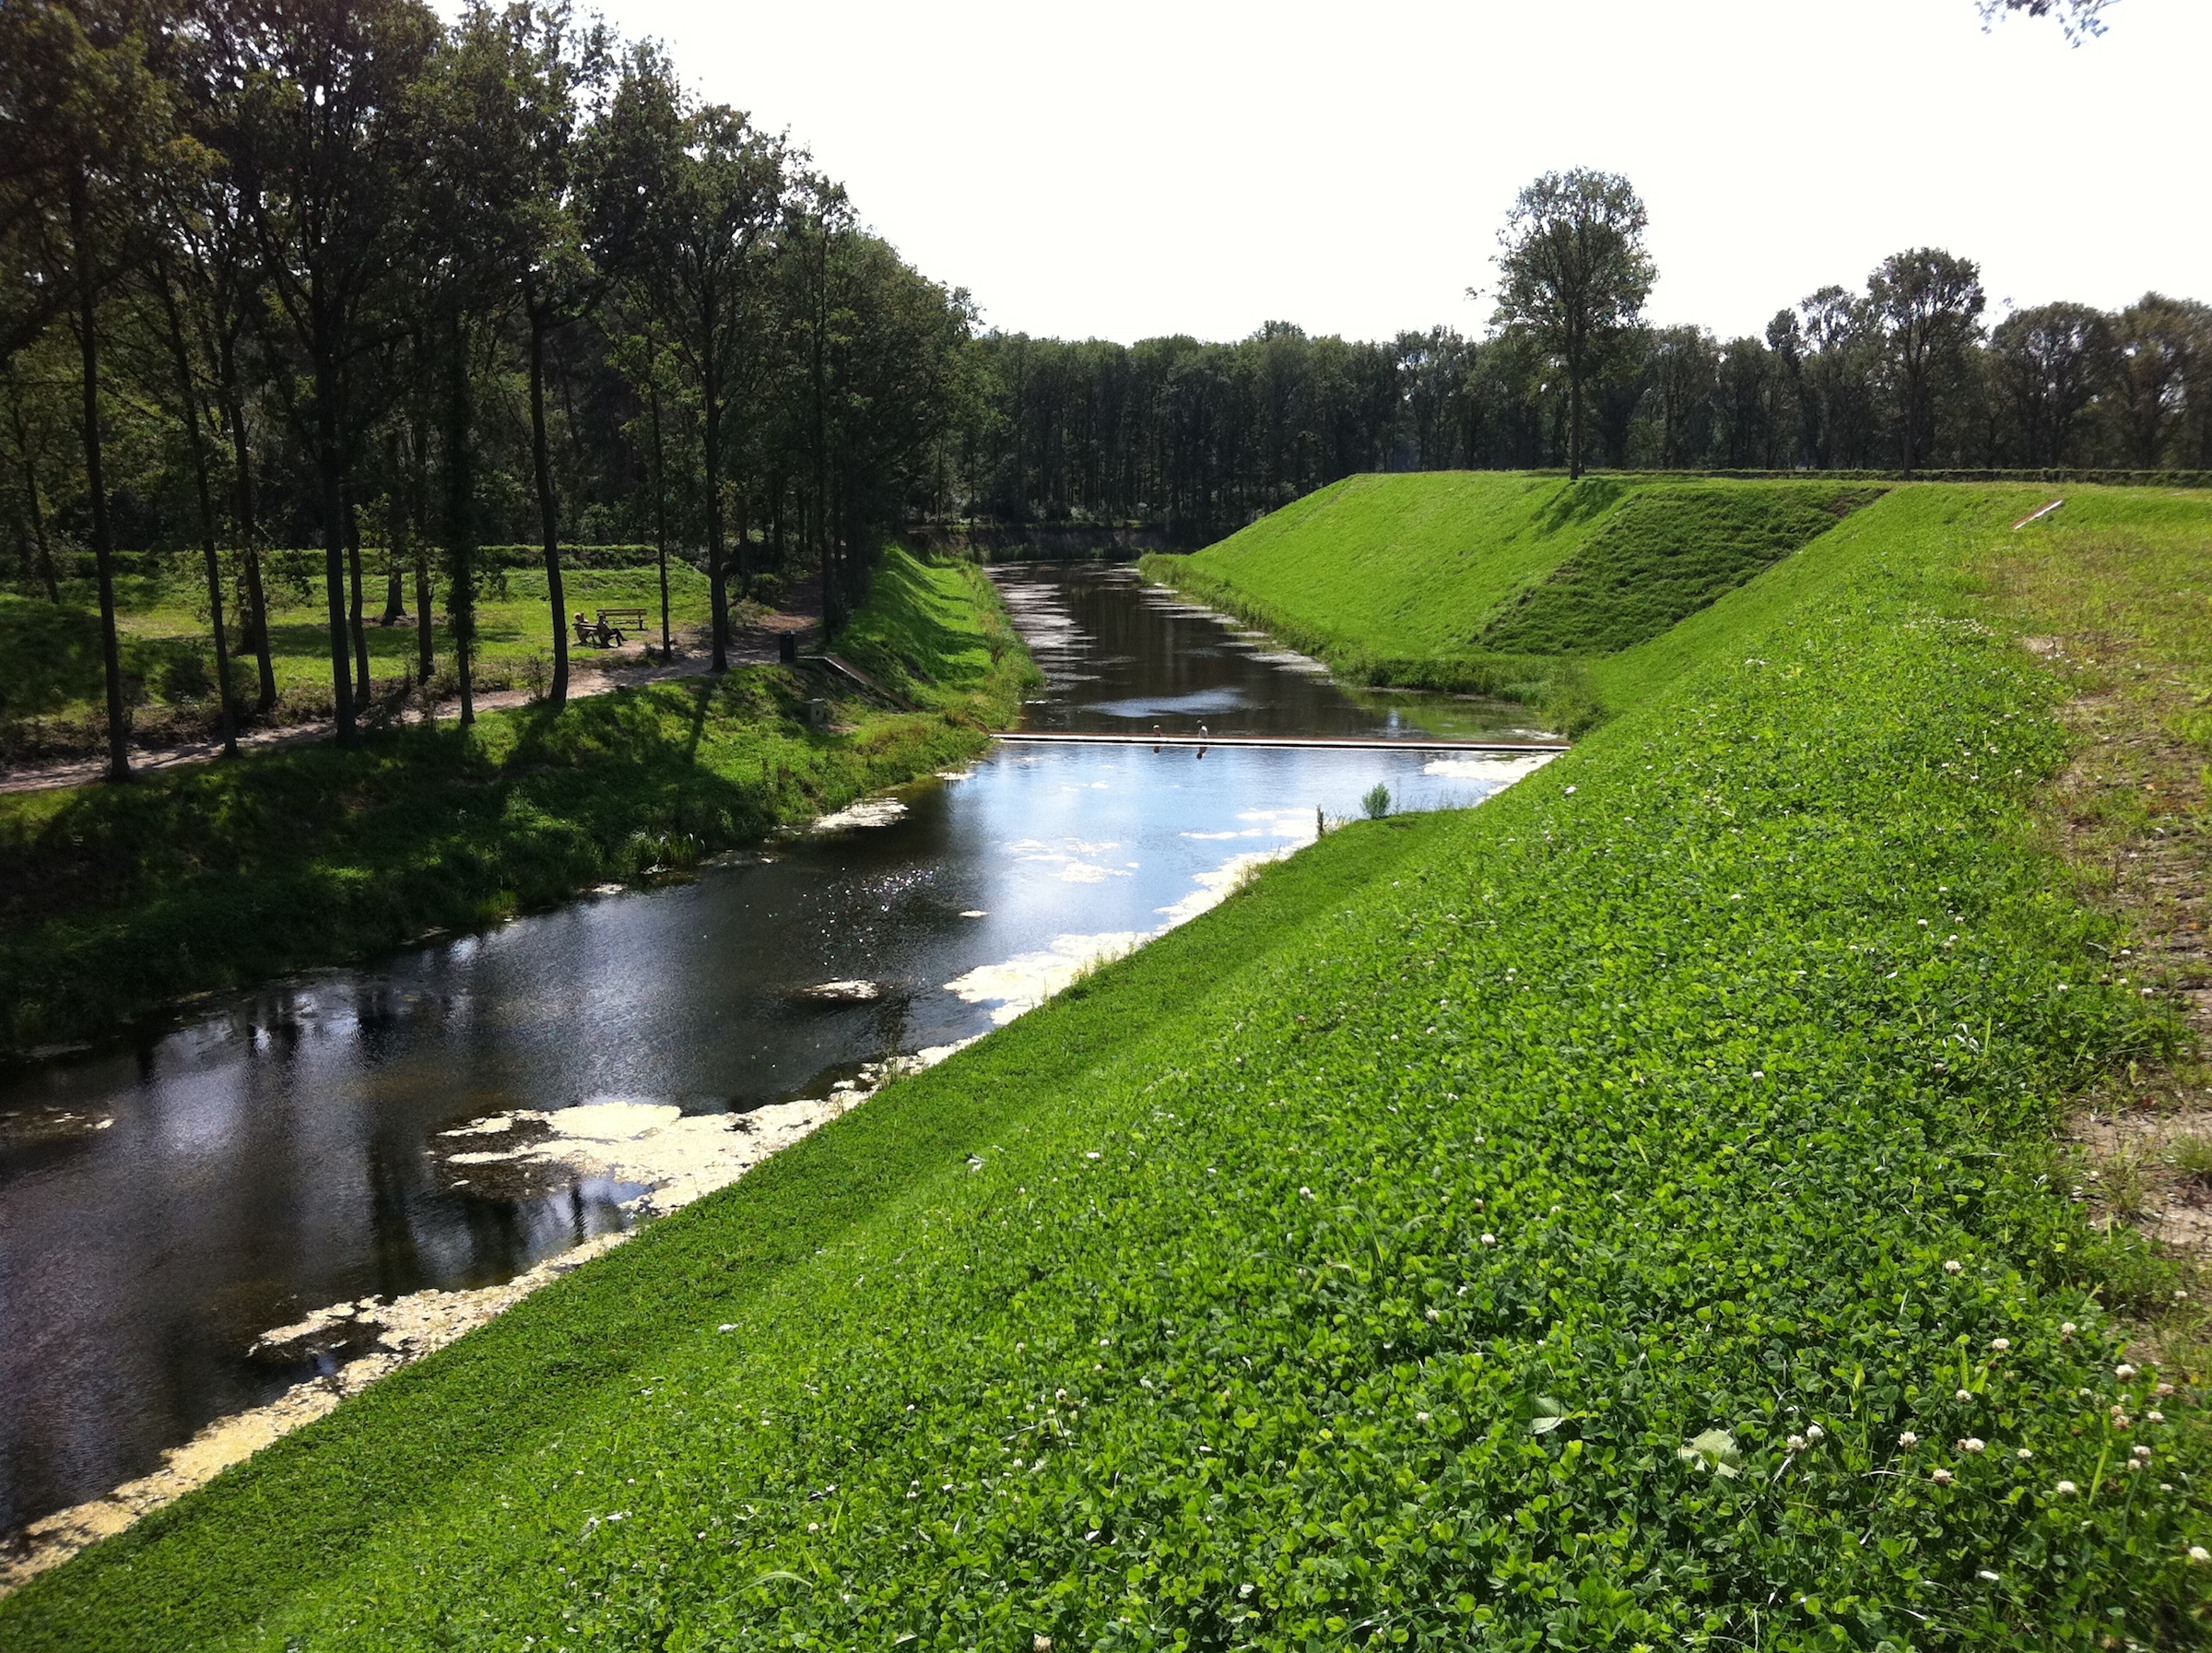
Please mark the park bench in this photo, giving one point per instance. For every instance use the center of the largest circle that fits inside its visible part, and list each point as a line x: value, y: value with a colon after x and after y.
x: 612, y: 627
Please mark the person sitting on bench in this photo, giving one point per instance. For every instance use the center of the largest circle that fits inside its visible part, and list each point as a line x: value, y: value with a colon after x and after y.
x: 584, y: 635
x: 609, y: 635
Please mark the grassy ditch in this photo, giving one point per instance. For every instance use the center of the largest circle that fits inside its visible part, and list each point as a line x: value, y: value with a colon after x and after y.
x: 1617, y: 1215
x: 1502, y: 583
x: 118, y: 899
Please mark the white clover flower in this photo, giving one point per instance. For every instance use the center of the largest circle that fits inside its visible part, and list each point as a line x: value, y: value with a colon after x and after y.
x: 2000, y: 1344
x: 1963, y: 1395
x: 1973, y: 1444
x: 1436, y: 1314
x: 1953, y: 1266
x: 2065, y: 1489
x: 1478, y: 1205
x: 2199, y: 1554
x: 1940, y: 1477
x: 2155, y: 1416
x: 1796, y: 1443
x: 1421, y: 1417
x: 1304, y: 1192
x: 2165, y: 1388
x: 2066, y: 1328
x: 1908, y: 1440
x: 1986, y: 1576
x: 2123, y: 1371
x: 1813, y: 1432
x: 2120, y: 1421
x: 2135, y: 1465
x: 1490, y: 1239
x: 2142, y: 1452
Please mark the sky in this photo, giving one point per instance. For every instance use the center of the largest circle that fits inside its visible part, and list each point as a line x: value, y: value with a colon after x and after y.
x: 1203, y: 166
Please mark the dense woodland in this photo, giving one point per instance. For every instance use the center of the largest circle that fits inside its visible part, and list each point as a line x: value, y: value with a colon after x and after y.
x: 333, y: 293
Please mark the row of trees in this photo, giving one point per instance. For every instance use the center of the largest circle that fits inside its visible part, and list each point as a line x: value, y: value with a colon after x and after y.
x: 334, y: 272
x: 1902, y: 374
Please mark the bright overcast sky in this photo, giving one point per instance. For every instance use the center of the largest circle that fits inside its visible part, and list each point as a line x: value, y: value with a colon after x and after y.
x: 1202, y: 166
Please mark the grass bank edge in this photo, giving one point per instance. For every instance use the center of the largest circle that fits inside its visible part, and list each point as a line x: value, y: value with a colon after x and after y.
x: 203, y: 880
x: 212, y: 1564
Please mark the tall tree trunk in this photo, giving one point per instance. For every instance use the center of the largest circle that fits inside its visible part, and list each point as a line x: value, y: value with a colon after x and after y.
x: 354, y: 621
x: 182, y: 358
x: 549, y: 511
x: 257, y: 620
x: 717, y: 574
x: 460, y: 519
x: 660, y: 513
x: 47, y: 577
x: 103, y: 547
x: 330, y: 461
x: 396, y: 537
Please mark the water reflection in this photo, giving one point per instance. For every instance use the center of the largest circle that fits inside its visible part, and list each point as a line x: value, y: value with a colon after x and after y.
x: 272, y: 1157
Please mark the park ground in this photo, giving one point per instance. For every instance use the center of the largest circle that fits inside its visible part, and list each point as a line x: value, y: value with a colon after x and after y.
x: 1652, y: 1208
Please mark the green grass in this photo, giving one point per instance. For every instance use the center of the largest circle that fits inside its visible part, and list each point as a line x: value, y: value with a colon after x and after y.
x: 52, y: 694
x: 116, y: 899
x: 1497, y: 582
x: 1439, y: 1245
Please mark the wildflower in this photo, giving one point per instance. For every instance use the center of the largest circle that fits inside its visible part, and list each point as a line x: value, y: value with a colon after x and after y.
x: 1304, y: 1192
x: 2155, y: 1417
x: 2067, y: 1328
x: 1490, y: 1239
x: 1953, y: 1266
x: 1478, y: 1205
x: 1973, y: 1444
x: 2023, y: 1454
x: 1908, y: 1440
x: 2199, y: 1554
x: 1796, y: 1443
x: 1986, y: 1575
x: 1421, y: 1417
x: 1813, y: 1432
x: 1091, y: 1155
x: 1940, y: 1477
x: 1758, y: 1073
x: 2135, y: 1465
x: 2142, y: 1452
x: 2124, y: 1372
x: 2065, y: 1489
x: 1963, y: 1395
x: 1436, y: 1314
x: 2120, y: 1422
x: 2000, y: 1344
x: 2165, y: 1388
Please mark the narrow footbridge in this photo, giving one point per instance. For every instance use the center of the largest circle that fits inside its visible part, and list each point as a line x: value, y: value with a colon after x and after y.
x: 1340, y: 742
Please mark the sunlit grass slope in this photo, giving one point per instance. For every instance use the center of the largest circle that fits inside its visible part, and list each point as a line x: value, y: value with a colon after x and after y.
x: 1616, y: 1216
x: 1498, y: 581
x: 112, y: 899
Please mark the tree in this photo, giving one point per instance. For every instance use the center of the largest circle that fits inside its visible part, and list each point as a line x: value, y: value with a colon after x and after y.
x: 2149, y: 373
x: 1575, y: 275
x: 330, y: 138
x: 2081, y: 20
x: 88, y: 125
x: 2051, y: 362
x: 1928, y: 303
x: 718, y: 201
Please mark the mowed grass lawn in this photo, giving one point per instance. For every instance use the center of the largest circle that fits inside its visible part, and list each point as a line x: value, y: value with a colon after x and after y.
x: 1621, y: 1216
x: 50, y: 670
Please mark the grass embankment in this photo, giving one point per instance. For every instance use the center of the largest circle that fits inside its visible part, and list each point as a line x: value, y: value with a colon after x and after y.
x: 53, y: 696
x: 1541, y: 1226
x: 116, y: 899
x: 1500, y: 582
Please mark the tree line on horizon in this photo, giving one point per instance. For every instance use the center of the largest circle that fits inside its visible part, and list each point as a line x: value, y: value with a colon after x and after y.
x: 1902, y: 374
x: 339, y: 274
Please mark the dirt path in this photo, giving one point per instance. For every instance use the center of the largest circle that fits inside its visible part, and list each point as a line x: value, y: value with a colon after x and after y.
x: 592, y: 674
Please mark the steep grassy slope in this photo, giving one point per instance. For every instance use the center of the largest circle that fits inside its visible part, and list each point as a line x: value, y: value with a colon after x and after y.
x: 1615, y: 1215
x: 1495, y: 581
x: 113, y: 898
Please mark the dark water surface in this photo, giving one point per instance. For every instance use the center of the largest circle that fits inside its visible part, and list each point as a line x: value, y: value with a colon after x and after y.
x: 273, y: 1156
